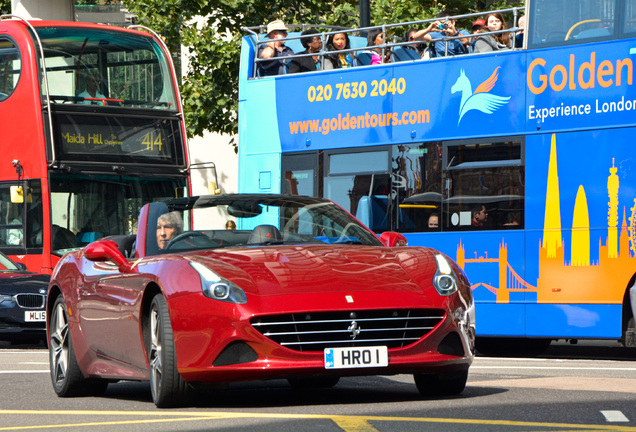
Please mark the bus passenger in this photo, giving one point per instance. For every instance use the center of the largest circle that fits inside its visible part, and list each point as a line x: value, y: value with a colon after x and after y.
x: 169, y: 225
x: 494, y: 22
x: 312, y: 44
x: 519, y: 37
x: 92, y: 91
x: 230, y: 225
x: 479, y: 216
x: 433, y: 221
x: 442, y: 28
x: 375, y: 38
x: 336, y: 42
x: 409, y: 37
x: 274, y: 49
x: 479, y: 26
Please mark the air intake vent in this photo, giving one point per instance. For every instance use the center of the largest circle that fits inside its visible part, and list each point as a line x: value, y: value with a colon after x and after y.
x: 30, y: 301
x: 320, y: 330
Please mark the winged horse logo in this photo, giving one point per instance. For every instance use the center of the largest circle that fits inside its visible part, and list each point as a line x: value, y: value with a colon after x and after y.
x: 479, y: 100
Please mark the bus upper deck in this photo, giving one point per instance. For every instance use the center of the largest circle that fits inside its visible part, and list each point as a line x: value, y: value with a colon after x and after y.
x: 92, y: 130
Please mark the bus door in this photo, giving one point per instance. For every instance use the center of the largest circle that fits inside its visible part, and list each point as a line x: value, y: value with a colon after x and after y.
x: 483, y: 194
x: 21, y: 219
x: 302, y: 174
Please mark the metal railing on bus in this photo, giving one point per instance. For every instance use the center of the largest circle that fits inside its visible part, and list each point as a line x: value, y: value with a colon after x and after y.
x: 257, y: 31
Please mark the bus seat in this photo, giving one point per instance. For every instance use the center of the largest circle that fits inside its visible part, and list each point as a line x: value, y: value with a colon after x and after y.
x: 372, y: 211
x: 593, y: 33
x: 88, y: 237
x: 63, y: 238
x: 363, y: 59
x: 402, y: 53
x: 125, y: 243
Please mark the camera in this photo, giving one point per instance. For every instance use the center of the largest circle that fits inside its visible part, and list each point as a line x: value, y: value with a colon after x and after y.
x: 443, y: 26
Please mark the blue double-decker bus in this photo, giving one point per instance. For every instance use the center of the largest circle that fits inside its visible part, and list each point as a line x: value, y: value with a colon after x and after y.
x: 519, y: 163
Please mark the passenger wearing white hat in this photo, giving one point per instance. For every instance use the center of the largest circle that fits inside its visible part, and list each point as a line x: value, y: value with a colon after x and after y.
x: 275, y: 48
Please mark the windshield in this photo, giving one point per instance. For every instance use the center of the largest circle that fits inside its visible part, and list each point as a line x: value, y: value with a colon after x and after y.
x: 105, y: 67
x: 255, y: 220
x: 6, y: 263
x: 87, y: 208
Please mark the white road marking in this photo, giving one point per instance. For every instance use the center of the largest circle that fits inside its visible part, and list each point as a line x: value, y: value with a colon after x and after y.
x: 24, y: 371
x: 614, y: 416
x: 555, y: 368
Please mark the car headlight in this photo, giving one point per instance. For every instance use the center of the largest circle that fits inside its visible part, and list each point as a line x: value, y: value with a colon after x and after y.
x: 217, y: 288
x: 445, y: 281
x: 6, y: 298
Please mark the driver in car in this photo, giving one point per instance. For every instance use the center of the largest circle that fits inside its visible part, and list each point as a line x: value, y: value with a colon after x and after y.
x: 169, y: 225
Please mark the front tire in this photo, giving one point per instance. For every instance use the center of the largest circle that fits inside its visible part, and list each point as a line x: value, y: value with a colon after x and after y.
x: 66, y: 375
x: 167, y: 387
x: 448, y: 384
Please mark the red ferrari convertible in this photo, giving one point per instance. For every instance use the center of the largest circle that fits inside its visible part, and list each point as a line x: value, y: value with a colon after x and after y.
x: 298, y: 290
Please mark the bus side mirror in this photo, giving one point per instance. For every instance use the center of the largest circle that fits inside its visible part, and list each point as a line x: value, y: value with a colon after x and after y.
x: 107, y: 250
x: 393, y: 239
x: 17, y: 195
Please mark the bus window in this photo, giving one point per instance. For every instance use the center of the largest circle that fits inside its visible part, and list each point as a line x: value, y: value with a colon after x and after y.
x: 85, y: 209
x: 34, y: 221
x: 10, y: 67
x: 360, y: 183
x: 419, y: 169
x: 11, y: 216
x: 556, y: 22
x: 629, y: 18
x: 483, y: 186
x: 105, y: 68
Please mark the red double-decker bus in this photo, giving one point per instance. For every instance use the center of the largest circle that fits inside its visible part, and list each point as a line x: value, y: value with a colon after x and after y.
x: 92, y: 129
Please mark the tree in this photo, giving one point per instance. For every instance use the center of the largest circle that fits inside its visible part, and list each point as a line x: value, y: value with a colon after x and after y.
x: 5, y: 7
x: 213, y: 40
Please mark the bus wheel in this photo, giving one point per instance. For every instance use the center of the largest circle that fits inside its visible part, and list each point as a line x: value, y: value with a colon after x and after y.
x: 447, y: 384
x: 167, y: 387
x: 515, y: 347
x: 66, y: 375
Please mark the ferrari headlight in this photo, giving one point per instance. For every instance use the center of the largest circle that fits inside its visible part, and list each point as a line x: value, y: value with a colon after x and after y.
x: 445, y: 281
x: 218, y: 288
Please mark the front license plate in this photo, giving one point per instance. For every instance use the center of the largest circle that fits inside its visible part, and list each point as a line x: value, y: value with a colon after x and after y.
x: 35, y: 316
x: 359, y: 357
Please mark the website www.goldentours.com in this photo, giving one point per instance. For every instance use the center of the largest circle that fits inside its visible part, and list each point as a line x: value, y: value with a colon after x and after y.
x: 363, y: 121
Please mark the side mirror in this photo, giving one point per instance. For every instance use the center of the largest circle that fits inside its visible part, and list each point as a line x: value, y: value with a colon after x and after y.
x: 393, y: 239
x: 107, y: 250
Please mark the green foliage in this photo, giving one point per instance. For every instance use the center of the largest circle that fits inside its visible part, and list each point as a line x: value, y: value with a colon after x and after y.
x: 5, y: 7
x: 212, y: 44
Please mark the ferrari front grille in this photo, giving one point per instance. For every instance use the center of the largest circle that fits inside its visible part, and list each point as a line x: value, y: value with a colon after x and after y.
x: 30, y: 301
x: 316, y: 331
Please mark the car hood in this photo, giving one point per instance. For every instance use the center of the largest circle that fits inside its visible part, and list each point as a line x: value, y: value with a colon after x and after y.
x: 280, y: 270
x: 23, y: 282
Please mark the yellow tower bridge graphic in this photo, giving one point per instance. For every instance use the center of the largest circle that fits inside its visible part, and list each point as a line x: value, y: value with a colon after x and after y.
x: 580, y: 280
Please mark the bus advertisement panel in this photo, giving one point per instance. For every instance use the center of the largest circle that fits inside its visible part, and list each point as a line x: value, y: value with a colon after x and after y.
x: 516, y: 163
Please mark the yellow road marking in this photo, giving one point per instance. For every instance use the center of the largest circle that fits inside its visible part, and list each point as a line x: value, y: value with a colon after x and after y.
x: 351, y: 423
